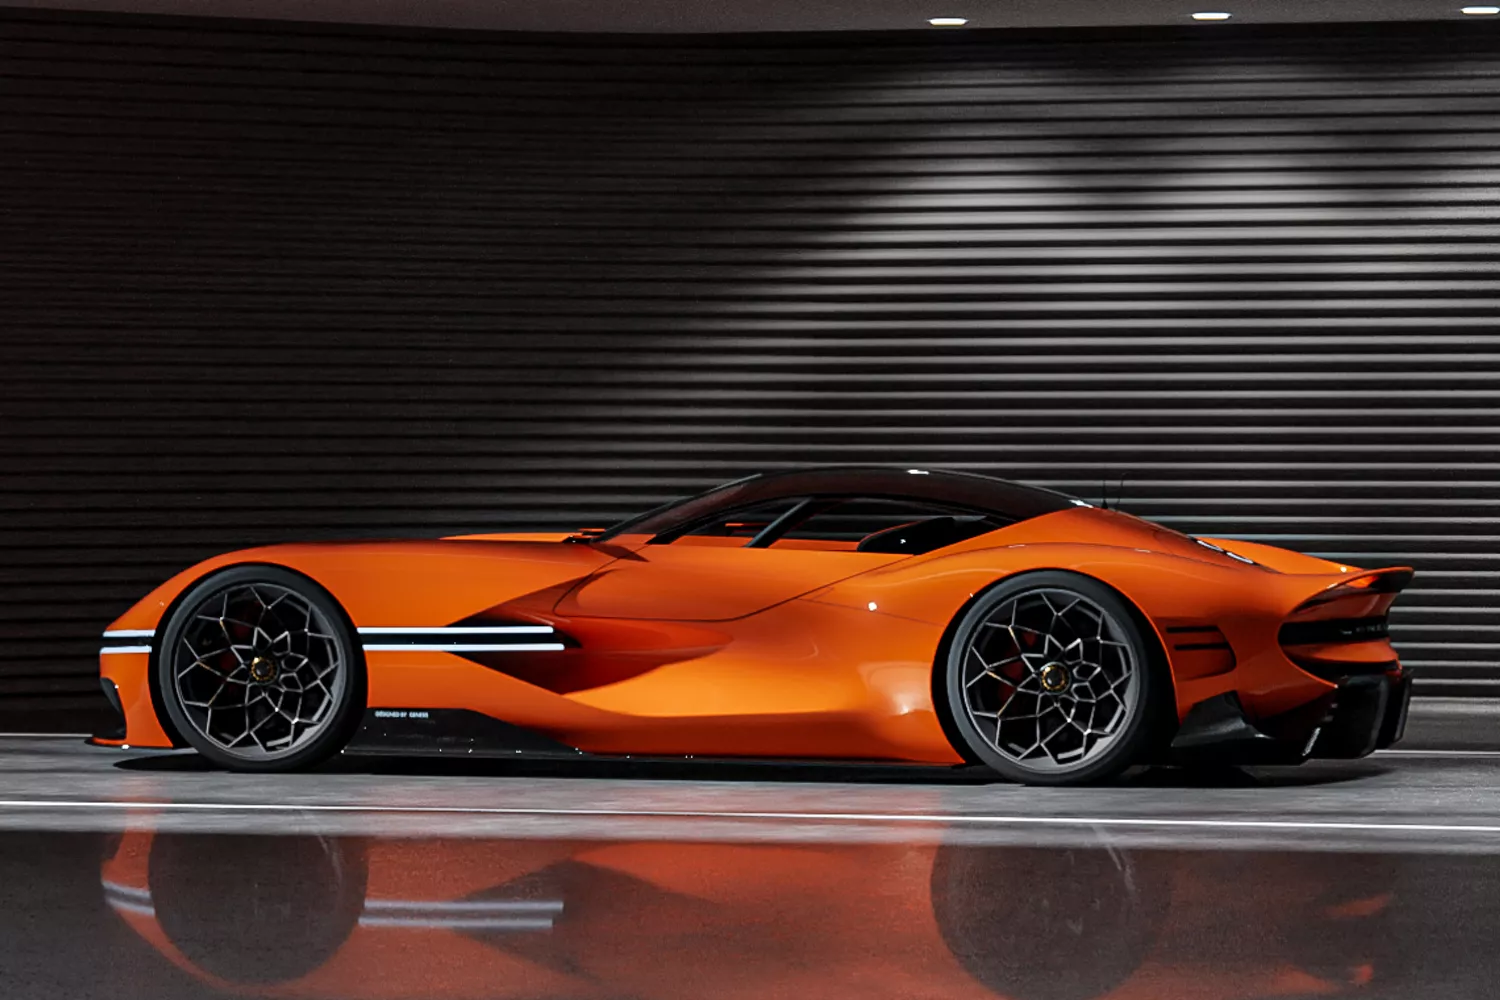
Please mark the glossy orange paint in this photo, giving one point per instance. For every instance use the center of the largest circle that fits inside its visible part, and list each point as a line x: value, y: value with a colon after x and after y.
x: 797, y: 651
x: 376, y: 919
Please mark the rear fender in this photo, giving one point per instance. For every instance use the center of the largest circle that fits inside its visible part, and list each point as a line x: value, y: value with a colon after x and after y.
x: 1181, y: 598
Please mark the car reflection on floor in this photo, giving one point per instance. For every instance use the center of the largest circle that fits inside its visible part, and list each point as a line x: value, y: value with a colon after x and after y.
x: 298, y: 916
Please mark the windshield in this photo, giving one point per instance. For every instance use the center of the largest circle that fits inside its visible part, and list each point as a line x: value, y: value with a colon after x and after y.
x: 680, y: 511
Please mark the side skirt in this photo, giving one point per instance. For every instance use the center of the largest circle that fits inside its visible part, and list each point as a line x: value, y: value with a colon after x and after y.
x: 449, y: 732
x: 444, y: 732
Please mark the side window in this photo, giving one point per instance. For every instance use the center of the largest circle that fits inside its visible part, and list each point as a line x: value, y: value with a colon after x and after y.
x: 738, y: 527
x: 867, y: 524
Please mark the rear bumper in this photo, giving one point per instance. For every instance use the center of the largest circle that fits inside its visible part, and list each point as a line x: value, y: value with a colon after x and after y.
x: 1360, y: 716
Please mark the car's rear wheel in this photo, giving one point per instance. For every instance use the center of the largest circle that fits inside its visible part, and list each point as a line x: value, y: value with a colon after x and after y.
x: 1049, y: 681
x: 259, y: 671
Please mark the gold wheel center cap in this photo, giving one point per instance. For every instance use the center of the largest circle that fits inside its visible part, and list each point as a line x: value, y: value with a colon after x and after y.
x: 1054, y: 677
x: 263, y: 669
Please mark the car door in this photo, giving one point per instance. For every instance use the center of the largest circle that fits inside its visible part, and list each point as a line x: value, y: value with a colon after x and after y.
x: 715, y: 573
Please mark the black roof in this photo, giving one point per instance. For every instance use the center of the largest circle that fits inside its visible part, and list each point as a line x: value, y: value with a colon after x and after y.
x: 1012, y: 501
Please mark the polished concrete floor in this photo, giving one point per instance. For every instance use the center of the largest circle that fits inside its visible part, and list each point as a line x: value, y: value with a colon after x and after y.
x: 126, y: 874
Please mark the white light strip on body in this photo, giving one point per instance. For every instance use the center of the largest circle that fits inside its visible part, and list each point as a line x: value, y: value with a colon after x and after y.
x: 457, y: 630
x: 130, y: 633
x: 465, y: 647
x: 124, y: 649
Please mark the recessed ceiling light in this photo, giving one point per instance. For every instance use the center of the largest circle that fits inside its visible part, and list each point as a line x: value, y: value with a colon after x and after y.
x: 1479, y: 10
x: 1211, y: 15
x: 947, y: 22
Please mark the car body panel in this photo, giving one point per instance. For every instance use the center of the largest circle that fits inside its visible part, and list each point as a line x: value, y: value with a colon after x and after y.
x: 687, y: 582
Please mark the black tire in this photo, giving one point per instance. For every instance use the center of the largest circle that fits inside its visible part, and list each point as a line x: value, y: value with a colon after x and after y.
x: 272, y: 689
x: 1022, y: 684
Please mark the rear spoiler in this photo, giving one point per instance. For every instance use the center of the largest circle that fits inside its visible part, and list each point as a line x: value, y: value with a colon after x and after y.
x: 1388, y: 582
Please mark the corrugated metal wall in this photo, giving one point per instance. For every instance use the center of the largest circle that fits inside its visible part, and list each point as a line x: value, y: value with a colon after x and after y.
x: 264, y: 282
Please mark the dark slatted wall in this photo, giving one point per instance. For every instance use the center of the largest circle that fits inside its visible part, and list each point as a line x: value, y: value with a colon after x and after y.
x: 264, y: 282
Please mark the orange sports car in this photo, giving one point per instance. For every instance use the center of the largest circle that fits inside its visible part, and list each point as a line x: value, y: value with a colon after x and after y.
x: 849, y: 613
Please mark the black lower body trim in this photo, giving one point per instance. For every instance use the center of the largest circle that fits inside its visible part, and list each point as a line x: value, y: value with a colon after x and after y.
x: 1353, y: 727
x: 1363, y: 715
x: 1393, y: 726
x: 114, y: 729
x: 1217, y: 731
x: 448, y: 731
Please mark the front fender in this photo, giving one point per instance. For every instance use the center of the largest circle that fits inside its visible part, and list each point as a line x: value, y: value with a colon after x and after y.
x: 425, y: 583
x: 402, y: 583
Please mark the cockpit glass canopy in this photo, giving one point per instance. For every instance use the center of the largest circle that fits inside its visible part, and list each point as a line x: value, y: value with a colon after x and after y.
x: 1007, y: 501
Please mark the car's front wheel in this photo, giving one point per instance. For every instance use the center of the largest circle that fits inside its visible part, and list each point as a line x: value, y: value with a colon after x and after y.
x: 1049, y: 681
x: 259, y: 671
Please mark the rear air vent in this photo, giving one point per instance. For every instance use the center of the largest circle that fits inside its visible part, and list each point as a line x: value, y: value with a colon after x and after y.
x: 1199, y: 651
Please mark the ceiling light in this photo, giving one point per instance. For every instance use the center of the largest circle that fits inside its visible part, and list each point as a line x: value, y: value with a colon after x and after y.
x: 1479, y: 10
x: 1211, y: 15
x: 947, y: 22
